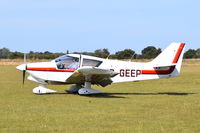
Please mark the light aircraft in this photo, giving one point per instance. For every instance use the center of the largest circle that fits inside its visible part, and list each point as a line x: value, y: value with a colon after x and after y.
x: 84, y: 71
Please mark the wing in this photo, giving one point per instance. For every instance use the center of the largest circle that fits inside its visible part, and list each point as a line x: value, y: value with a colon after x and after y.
x: 92, y: 74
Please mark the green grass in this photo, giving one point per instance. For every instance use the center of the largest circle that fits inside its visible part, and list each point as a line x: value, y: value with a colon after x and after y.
x: 154, y: 106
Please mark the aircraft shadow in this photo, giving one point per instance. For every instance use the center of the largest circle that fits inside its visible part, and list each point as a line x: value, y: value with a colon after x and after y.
x: 102, y: 95
x: 123, y: 95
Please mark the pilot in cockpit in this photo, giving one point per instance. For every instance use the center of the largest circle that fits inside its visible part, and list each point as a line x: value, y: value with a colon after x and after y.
x: 74, y: 65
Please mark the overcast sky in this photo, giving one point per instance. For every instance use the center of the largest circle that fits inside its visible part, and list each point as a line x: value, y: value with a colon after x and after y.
x: 87, y: 25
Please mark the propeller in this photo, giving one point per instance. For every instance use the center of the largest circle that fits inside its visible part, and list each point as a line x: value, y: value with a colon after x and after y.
x: 24, y: 70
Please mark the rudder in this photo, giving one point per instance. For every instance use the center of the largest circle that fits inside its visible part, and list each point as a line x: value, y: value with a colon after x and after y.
x: 171, y: 56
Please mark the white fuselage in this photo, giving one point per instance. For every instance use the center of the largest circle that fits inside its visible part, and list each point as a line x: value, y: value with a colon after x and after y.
x: 127, y: 71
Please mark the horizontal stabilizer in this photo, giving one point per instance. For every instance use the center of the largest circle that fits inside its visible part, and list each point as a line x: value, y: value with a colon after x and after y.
x: 164, y: 65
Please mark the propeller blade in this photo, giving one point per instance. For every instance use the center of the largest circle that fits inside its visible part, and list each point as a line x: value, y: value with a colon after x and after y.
x: 24, y: 71
x: 23, y: 76
x: 24, y: 58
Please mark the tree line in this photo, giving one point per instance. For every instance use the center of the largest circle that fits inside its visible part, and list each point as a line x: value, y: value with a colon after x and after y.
x: 147, y: 53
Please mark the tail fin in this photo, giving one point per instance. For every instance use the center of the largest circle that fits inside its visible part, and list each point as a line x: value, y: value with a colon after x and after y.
x: 171, y: 56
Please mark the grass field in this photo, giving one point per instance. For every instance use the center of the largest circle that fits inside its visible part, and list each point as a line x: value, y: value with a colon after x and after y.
x: 165, y: 105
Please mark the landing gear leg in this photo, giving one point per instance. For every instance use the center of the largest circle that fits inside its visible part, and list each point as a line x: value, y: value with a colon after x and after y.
x: 87, y: 90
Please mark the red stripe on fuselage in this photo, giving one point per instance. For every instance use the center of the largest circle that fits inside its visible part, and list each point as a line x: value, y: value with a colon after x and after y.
x: 51, y: 69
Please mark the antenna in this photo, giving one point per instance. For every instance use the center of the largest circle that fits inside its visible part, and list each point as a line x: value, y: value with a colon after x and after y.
x: 132, y: 57
x: 80, y: 61
x: 108, y: 56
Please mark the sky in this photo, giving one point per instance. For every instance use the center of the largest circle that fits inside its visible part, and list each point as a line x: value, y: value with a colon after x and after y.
x: 87, y: 25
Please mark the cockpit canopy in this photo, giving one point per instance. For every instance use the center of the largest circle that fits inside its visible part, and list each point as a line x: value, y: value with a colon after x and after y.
x: 67, y: 62
x: 73, y: 63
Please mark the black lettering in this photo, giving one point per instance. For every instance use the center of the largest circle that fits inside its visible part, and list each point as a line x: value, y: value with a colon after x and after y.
x: 132, y: 73
x: 127, y: 73
x: 138, y: 72
x: 121, y: 72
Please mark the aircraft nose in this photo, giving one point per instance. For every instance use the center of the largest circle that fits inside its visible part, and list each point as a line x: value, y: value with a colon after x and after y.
x: 21, y: 67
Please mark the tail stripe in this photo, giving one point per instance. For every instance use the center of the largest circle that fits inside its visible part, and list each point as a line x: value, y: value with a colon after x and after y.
x: 178, y: 53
